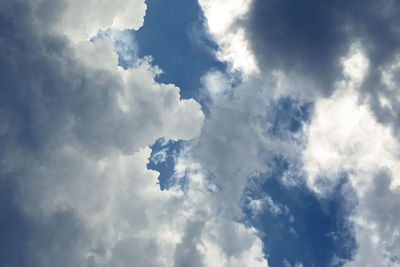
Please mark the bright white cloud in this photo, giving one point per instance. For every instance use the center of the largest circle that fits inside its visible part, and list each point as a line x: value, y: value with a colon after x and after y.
x: 234, y: 48
x: 266, y: 203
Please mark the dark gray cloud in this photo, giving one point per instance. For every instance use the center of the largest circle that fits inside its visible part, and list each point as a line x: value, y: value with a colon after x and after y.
x: 43, y: 240
x: 309, y: 37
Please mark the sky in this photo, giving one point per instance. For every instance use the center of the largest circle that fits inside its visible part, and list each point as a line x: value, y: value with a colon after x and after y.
x: 221, y: 133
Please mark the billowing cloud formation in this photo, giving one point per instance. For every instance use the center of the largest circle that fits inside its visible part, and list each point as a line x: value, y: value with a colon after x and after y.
x: 74, y: 131
x: 74, y: 134
x: 344, y: 57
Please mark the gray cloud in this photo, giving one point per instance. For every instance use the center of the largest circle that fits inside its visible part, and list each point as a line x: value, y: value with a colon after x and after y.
x: 72, y: 126
x: 187, y: 252
x: 378, y: 233
x: 311, y: 36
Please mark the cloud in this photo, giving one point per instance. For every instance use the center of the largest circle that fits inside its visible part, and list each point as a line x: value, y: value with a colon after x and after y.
x: 216, y: 232
x: 257, y: 206
x: 236, y: 143
x: 221, y: 19
x: 82, y: 20
x: 345, y: 139
x: 306, y: 42
x: 75, y: 135
x: 303, y: 45
x: 295, y: 37
x: 241, y: 136
x: 74, y: 132
x: 341, y: 55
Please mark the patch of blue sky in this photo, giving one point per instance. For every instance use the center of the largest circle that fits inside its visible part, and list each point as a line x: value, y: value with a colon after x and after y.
x: 289, y: 115
x: 300, y: 228
x: 162, y: 159
x: 173, y: 34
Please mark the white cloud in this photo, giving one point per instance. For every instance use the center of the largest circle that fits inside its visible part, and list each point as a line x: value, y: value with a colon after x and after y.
x: 159, y: 157
x: 345, y: 137
x: 81, y: 20
x: 234, y: 48
x: 215, y: 83
x: 266, y: 203
x: 223, y: 13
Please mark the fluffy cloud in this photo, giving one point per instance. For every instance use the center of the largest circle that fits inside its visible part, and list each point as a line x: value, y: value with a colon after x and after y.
x: 74, y: 132
x: 82, y: 20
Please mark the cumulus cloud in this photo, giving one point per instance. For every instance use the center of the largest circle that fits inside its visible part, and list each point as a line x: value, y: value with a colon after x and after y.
x: 82, y: 20
x: 74, y: 132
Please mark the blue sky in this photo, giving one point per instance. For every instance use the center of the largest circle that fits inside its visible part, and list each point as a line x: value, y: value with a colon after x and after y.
x: 199, y: 133
x: 171, y: 36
